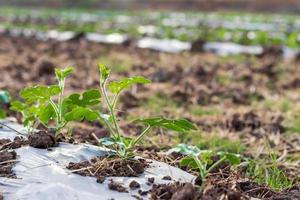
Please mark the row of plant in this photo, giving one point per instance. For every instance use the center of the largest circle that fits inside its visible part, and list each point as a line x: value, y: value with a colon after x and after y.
x: 213, y: 27
x: 49, y: 107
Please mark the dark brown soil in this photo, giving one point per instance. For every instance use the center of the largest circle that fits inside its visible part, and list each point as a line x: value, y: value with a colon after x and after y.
x: 42, y: 140
x: 7, y: 161
x: 174, y: 191
x: 16, y: 143
x: 134, y: 185
x: 116, y: 186
x: 105, y: 167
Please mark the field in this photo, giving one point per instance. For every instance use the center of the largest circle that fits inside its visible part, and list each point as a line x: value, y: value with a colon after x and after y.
x: 240, y: 106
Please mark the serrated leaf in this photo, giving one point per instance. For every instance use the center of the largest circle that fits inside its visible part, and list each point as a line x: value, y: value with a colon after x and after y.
x: 233, y: 158
x: 125, y: 83
x: 2, y: 113
x: 104, y: 72
x: 81, y: 113
x: 88, y: 98
x: 4, y: 96
x: 63, y: 73
x: 39, y: 93
x: 181, y: 125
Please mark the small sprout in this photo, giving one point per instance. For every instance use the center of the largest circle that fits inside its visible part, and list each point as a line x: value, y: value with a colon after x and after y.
x: 202, y: 160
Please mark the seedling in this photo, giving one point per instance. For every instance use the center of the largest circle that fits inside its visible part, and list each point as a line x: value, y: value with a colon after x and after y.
x: 120, y: 145
x: 47, y: 105
x: 4, y: 99
x: 202, y: 160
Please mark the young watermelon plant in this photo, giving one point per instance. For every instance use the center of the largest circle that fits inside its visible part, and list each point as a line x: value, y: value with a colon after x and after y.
x: 48, y: 106
x: 120, y: 145
x: 202, y: 160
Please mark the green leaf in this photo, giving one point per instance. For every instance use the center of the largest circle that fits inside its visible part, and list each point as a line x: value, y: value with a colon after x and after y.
x: 117, y: 86
x: 46, y: 113
x: 81, y: 113
x: 2, y: 113
x: 107, y: 141
x: 104, y: 72
x: 88, y: 98
x: 4, y: 96
x: 181, y: 125
x: 61, y: 74
x: 29, y: 120
x: 18, y: 106
x: 233, y: 158
x: 188, y: 161
x: 39, y: 93
x: 185, y: 149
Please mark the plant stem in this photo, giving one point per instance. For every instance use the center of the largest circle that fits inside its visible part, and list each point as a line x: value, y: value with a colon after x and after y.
x: 137, y: 140
x: 215, y: 165
x: 110, y: 107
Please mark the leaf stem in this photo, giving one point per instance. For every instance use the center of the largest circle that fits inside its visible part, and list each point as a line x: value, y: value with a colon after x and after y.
x: 137, y: 140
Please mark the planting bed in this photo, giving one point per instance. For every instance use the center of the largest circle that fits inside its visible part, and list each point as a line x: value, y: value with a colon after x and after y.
x: 245, y: 104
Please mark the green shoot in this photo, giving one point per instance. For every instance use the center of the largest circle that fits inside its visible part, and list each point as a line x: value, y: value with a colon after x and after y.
x: 202, y: 160
x: 120, y: 145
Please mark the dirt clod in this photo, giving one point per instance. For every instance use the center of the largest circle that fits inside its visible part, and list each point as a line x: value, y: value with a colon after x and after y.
x: 7, y: 160
x: 134, y: 185
x: 116, y: 187
x: 167, y: 178
x: 42, y: 140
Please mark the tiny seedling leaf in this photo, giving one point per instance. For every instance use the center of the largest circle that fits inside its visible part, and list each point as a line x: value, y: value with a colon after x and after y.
x: 185, y: 149
x: 104, y: 72
x: 181, y: 125
x: 233, y: 158
x: 61, y: 74
x: 125, y: 83
x: 188, y: 161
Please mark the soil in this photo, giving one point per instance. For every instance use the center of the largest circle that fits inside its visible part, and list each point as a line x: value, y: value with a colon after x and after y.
x: 7, y: 161
x: 134, y: 185
x: 174, y: 191
x: 109, y: 166
x: 116, y: 186
x: 16, y: 143
x: 42, y: 140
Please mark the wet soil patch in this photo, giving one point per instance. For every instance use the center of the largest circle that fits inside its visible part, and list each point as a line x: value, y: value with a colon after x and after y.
x: 42, y: 140
x: 7, y: 161
x: 102, y: 167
